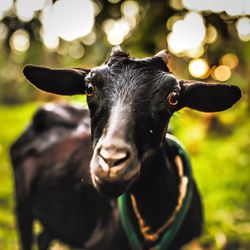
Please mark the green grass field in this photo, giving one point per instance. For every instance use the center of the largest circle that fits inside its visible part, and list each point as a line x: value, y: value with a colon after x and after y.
x: 219, y: 149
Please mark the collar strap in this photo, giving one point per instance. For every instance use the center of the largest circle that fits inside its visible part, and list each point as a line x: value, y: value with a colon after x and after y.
x: 165, y: 234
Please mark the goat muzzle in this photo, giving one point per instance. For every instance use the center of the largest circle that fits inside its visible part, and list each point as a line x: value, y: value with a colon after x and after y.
x: 114, y: 163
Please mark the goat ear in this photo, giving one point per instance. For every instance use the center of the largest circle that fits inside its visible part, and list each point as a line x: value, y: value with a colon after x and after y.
x: 57, y: 81
x: 162, y: 59
x: 164, y: 55
x: 208, y: 97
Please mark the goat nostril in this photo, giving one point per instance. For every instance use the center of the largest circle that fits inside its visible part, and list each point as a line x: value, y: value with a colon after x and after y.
x: 114, y: 158
x: 120, y: 161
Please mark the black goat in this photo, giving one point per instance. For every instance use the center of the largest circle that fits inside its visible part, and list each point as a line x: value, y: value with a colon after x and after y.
x: 130, y: 102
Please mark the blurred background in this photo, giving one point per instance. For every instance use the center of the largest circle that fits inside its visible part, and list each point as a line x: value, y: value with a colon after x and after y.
x: 209, y: 41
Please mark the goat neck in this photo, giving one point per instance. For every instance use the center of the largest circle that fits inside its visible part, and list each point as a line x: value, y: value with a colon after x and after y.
x: 156, y: 192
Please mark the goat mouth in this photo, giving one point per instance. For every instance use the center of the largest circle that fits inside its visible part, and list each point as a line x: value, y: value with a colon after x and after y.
x: 114, y: 187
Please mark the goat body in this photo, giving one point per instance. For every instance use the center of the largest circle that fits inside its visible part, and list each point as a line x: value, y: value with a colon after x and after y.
x: 53, y: 184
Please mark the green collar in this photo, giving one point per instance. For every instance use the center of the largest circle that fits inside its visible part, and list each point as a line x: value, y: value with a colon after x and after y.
x: 130, y: 227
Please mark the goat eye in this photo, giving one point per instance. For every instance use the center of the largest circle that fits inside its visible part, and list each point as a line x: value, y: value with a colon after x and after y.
x: 172, y: 98
x: 90, y: 90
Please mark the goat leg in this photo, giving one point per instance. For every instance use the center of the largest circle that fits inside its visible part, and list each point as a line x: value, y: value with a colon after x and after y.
x: 24, y: 223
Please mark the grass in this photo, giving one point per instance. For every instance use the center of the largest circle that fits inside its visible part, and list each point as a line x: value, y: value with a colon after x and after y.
x: 219, y: 150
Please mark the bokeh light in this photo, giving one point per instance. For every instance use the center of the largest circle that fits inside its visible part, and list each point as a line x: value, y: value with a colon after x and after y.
x: 89, y: 39
x: 67, y: 21
x: 195, y: 53
x: 24, y: 11
x: 230, y: 60
x: 171, y: 21
x: 114, y: 1
x: 232, y: 8
x: 187, y: 34
x: 198, y: 68
x: 97, y: 8
x: 211, y: 34
x: 213, y: 5
x: 221, y: 73
x: 48, y: 33
x: 73, y: 20
x: 20, y: 41
x: 3, y: 31
x: 5, y: 5
x: 132, y: 21
x: 116, y: 34
x: 116, y: 31
x: 130, y: 8
x: 119, y: 29
x: 176, y: 4
x: 76, y: 50
x: 107, y: 25
x: 50, y: 41
x: 243, y: 28
x: 38, y: 4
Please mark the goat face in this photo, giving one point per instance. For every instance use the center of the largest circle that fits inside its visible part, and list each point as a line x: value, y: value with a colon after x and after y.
x: 130, y: 102
x: 129, y: 112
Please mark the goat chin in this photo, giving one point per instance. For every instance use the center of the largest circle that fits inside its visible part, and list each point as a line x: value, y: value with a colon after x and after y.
x: 112, y: 189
